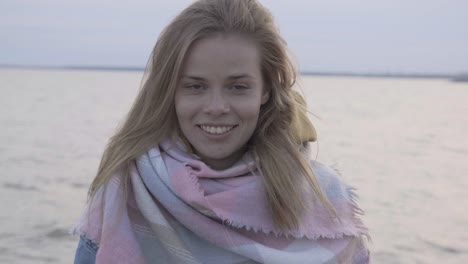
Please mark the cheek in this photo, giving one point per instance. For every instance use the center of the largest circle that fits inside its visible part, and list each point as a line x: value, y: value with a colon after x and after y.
x: 249, y: 112
x: 249, y: 106
x: 182, y: 110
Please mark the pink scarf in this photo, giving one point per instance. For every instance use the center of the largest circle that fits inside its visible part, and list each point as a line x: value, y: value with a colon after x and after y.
x: 181, y: 211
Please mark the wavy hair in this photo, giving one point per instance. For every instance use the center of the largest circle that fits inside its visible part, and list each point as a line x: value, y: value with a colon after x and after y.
x: 278, y: 136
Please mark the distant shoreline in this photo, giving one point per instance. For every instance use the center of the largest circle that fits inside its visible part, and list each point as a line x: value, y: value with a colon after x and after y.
x: 452, y: 77
x: 83, y: 68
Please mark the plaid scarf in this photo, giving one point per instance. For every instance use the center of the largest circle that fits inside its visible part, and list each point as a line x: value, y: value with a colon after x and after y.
x: 179, y: 210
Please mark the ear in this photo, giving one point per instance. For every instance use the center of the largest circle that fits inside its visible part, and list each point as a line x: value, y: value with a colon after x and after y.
x: 265, y: 96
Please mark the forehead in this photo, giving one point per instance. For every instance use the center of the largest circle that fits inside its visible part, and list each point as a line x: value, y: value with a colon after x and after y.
x: 222, y: 52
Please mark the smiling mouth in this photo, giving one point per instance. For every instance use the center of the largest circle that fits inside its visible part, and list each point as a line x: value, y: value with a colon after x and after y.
x: 216, y: 130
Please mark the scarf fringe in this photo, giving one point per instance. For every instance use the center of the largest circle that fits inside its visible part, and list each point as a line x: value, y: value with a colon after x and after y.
x: 361, y: 229
x: 356, y: 211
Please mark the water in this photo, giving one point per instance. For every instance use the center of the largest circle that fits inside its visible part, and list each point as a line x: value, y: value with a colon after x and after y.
x: 402, y: 142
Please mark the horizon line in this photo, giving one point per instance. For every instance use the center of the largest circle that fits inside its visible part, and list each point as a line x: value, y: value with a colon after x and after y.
x: 455, y: 77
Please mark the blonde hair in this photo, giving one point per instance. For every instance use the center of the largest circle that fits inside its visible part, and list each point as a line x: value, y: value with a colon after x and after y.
x: 276, y: 139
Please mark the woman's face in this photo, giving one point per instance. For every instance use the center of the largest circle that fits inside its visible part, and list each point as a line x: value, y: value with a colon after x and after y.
x: 218, y: 97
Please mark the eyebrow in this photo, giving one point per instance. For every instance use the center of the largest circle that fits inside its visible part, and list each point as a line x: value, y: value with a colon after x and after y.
x: 231, y: 77
x: 240, y: 76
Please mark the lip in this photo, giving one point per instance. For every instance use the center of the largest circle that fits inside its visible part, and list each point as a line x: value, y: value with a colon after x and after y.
x: 216, y: 136
x: 215, y: 125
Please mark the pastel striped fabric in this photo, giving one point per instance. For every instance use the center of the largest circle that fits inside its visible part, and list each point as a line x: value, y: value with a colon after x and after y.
x: 178, y: 210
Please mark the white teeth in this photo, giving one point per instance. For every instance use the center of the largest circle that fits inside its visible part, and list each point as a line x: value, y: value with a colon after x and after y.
x: 217, y: 130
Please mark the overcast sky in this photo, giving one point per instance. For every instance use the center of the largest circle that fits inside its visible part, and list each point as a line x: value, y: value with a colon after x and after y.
x: 418, y: 36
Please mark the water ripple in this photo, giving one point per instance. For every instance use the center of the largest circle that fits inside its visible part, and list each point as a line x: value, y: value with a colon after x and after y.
x: 405, y: 248
x: 37, y: 258
x: 6, y: 235
x: 443, y: 248
x: 20, y: 187
x: 77, y: 185
x: 58, y: 233
x: 455, y: 150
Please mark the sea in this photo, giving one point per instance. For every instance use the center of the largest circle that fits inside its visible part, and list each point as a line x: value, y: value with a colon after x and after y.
x: 403, y: 143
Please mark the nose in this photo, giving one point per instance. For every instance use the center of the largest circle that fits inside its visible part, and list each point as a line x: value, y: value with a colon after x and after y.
x: 216, y: 103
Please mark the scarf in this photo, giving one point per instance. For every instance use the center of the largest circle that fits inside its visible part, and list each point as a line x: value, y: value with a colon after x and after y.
x: 179, y: 210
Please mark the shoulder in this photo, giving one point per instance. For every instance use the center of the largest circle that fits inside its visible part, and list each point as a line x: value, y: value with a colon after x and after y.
x: 331, y: 180
x: 342, y: 196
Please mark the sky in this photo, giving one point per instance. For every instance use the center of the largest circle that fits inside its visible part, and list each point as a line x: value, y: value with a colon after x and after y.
x: 365, y: 36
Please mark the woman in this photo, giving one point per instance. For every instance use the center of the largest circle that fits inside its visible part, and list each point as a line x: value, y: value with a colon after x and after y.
x: 210, y: 165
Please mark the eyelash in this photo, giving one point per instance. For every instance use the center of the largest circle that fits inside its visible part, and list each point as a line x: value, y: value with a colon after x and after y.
x: 194, y: 86
x: 239, y: 87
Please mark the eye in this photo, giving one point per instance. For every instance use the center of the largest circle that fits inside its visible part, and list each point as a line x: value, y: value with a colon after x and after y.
x: 239, y: 87
x: 194, y: 86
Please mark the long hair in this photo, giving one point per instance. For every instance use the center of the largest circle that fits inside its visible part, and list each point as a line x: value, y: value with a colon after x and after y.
x: 274, y: 143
